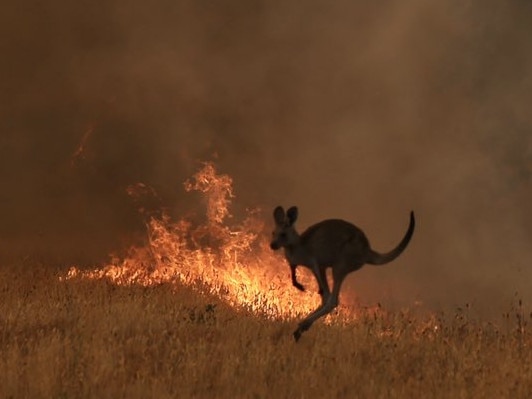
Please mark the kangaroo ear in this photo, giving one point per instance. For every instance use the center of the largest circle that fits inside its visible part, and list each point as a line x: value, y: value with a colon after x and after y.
x: 291, y: 215
x: 278, y: 215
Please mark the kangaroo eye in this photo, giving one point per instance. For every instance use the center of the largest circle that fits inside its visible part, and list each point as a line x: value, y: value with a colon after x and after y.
x: 282, y: 235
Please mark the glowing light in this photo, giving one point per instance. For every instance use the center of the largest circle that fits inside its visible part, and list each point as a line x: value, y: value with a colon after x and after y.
x: 79, y: 153
x: 231, y: 261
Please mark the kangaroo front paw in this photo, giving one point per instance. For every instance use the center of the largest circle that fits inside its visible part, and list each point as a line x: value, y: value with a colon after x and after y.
x: 299, y: 287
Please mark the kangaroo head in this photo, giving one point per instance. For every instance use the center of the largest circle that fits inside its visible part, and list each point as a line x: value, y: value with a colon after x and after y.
x: 284, y: 233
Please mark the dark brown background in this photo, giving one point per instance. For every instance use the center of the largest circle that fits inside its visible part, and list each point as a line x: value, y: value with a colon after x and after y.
x: 347, y: 109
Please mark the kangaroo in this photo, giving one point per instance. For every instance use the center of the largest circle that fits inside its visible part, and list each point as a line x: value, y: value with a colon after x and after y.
x: 332, y: 243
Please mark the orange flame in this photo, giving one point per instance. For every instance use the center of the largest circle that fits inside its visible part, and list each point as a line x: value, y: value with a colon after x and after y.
x: 79, y: 154
x: 233, y: 262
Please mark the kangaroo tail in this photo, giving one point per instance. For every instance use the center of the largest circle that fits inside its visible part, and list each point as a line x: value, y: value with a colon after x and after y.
x: 376, y: 258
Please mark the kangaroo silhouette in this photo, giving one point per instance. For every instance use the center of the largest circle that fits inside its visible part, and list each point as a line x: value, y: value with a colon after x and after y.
x: 332, y: 243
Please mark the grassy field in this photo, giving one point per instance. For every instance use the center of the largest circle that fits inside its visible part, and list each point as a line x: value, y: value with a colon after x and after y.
x: 94, y: 339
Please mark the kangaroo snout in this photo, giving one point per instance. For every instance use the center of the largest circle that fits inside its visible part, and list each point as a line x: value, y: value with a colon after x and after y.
x: 275, y: 245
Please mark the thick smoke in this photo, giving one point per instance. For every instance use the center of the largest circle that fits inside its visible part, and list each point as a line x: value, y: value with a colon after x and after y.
x: 359, y: 111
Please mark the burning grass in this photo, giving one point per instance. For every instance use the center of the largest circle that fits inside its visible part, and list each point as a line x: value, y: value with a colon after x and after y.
x: 93, y: 338
x: 208, y: 311
x: 231, y: 261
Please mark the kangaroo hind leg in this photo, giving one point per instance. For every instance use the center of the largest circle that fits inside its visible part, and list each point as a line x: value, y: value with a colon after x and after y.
x: 339, y: 274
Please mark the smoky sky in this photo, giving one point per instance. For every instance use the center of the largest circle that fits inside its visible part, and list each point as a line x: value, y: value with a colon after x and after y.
x: 357, y: 110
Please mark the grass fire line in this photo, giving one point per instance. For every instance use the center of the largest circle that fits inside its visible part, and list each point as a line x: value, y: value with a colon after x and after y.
x: 207, y: 311
x: 233, y: 262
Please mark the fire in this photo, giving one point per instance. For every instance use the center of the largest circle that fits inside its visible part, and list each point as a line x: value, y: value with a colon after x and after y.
x: 79, y: 153
x: 232, y: 261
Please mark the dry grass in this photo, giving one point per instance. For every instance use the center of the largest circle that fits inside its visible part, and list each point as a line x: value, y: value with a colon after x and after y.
x: 93, y: 339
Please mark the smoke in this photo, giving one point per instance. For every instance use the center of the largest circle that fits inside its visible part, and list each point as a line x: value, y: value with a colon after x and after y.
x: 359, y: 111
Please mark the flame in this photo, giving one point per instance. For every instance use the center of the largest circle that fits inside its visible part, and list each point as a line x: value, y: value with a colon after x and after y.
x: 233, y: 262
x: 79, y: 154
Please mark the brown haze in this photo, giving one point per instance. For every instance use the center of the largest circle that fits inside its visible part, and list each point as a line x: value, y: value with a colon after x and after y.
x: 359, y: 111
